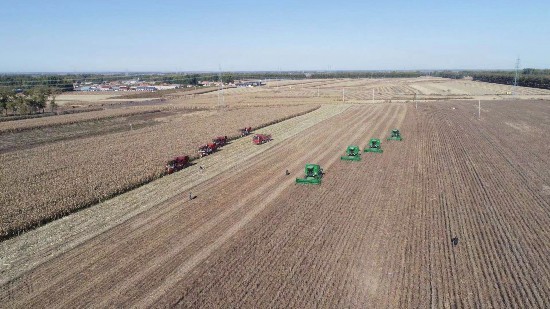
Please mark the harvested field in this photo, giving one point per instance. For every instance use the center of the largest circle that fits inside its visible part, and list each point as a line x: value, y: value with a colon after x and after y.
x: 51, y: 180
x: 51, y: 121
x: 374, y: 234
x: 362, y: 90
x: 25, y: 139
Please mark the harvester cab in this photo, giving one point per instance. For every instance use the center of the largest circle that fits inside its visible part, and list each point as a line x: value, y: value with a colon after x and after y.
x: 395, y: 135
x: 374, y: 146
x: 352, y: 154
x: 313, y: 174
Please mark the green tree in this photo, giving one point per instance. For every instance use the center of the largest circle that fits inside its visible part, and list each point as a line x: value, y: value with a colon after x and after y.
x: 53, y: 94
x: 228, y: 78
x: 6, y: 96
x: 194, y: 79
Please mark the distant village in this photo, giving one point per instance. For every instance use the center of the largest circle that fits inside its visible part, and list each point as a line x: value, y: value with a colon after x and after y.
x: 135, y: 85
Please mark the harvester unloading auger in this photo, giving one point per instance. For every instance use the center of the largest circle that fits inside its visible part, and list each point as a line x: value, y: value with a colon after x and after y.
x: 374, y: 146
x: 352, y: 154
x: 313, y: 172
x: 395, y: 135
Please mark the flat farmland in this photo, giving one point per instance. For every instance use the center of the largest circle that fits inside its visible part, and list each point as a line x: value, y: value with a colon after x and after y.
x: 68, y: 163
x: 362, y: 90
x: 375, y: 234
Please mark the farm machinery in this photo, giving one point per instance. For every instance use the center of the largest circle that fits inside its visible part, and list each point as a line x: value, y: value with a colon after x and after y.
x: 395, y: 135
x: 220, y: 141
x: 313, y: 175
x: 176, y: 164
x: 374, y: 146
x: 352, y: 154
x: 207, y: 149
x: 261, y: 139
x: 245, y: 131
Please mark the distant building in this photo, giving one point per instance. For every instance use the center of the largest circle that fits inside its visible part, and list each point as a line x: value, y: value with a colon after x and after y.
x: 166, y: 87
x: 146, y: 88
x: 250, y: 84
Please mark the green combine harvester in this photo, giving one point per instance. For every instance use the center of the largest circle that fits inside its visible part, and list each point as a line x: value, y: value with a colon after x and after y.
x: 313, y: 172
x: 374, y: 146
x: 352, y: 154
x: 395, y: 135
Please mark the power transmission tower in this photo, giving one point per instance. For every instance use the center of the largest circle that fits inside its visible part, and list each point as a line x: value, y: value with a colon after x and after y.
x: 221, y: 99
x: 516, y: 76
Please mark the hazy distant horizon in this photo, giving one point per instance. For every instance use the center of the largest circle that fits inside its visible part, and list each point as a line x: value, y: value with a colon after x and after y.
x: 177, y: 36
x: 258, y: 71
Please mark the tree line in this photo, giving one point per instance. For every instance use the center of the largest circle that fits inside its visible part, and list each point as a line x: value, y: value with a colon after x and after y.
x: 64, y: 82
x: 528, y: 77
x: 32, y: 101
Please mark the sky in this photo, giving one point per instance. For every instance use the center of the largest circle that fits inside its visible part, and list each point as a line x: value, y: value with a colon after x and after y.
x: 138, y: 36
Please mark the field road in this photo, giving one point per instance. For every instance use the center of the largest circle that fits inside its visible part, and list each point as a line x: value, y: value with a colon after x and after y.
x: 375, y: 234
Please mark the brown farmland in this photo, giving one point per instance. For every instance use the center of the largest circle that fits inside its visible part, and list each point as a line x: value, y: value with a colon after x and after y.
x: 57, y: 168
x: 374, y: 234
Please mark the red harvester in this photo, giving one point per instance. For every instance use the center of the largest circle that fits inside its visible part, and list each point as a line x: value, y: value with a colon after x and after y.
x: 245, y: 131
x: 220, y: 141
x: 261, y: 138
x: 176, y: 164
x: 207, y: 149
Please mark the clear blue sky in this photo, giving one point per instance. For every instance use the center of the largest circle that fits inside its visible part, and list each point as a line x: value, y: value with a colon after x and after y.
x: 40, y: 36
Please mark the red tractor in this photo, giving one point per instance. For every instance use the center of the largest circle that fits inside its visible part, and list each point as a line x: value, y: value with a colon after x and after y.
x: 207, y: 149
x: 176, y: 164
x: 220, y: 141
x: 245, y: 131
x: 261, y: 139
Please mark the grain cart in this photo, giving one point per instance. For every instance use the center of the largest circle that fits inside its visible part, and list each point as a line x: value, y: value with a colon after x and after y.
x: 261, y: 139
x: 176, y: 164
x: 352, y: 154
x: 374, y: 146
x: 395, y: 135
x: 313, y: 172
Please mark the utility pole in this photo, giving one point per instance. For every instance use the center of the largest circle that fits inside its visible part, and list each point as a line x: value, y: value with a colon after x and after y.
x: 479, y: 109
x: 221, y: 103
x: 343, y: 95
x: 415, y: 102
x: 516, y: 76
